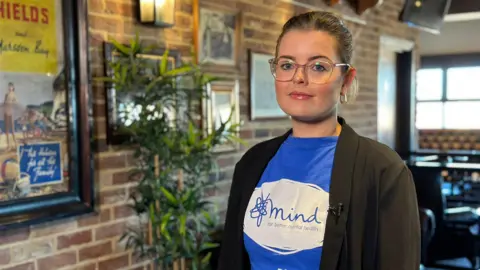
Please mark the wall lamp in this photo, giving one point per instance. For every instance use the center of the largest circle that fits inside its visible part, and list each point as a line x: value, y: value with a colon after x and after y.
x: 159, y: 13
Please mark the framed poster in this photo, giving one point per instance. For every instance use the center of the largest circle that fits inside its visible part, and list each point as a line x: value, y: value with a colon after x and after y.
x: 218, y: 34
x: 119, y: 112
x: 263, y: 101
x: 45, y: 112
x: 223, y: 101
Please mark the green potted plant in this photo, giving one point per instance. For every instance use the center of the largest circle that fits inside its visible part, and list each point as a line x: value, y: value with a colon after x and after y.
x: 174, y: 155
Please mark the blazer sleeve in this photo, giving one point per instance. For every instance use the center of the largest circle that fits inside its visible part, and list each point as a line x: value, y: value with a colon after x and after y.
x: 231, y: 250
x: 399, y: 237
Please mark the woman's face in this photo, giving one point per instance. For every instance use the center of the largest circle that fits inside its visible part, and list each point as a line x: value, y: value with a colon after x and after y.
x: 308, y: 97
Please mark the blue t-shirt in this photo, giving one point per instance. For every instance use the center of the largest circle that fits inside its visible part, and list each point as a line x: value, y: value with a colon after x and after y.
x: 284, y: 224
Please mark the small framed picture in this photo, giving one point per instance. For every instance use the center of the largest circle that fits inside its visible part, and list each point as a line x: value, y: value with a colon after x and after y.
x: 263, y: 101
x: 223, y: 101
x: 218, y: 37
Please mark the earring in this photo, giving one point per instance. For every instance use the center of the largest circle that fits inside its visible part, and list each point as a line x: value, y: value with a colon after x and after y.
x: 343, y: 99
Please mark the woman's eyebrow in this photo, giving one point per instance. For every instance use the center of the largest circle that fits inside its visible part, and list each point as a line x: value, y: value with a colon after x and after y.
x: 309, y: 59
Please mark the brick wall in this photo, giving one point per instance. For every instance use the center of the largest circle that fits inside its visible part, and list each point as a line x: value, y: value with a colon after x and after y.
x: 92, y: 242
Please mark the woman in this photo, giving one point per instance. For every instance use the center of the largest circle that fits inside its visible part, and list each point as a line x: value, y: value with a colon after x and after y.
x: 320, y: 196
x: 8, y: 122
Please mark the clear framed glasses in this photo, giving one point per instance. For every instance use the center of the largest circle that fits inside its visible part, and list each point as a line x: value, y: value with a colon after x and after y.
x: 316, y: 71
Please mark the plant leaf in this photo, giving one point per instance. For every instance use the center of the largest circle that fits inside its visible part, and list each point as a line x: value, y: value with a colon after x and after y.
x: 183, y: 225
x: 169, y: 196
x: 164, y: 63
x: 120, y: 47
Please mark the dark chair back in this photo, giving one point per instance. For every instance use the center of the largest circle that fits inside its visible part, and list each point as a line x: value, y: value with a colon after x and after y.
x: 427, y: 225
x: 428, y: 185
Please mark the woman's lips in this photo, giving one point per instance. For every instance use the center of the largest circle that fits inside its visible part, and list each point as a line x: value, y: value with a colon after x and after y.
x: 300, y: 95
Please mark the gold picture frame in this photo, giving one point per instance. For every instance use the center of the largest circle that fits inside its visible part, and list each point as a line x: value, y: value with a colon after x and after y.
x: 222, y: 98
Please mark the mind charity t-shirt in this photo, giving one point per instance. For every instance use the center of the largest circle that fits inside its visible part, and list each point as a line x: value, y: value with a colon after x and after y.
x: 284, y: 224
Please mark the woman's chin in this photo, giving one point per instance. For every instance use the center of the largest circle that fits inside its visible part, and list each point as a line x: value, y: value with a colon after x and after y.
x: 302, y: 117
x: 309, y: 117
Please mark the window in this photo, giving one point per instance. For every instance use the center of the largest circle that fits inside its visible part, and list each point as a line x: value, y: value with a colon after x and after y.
x: 429, y: 115
x: 462, y: 115
x: 448, y: 98
x: 462, y: 83
x: 430, y: 84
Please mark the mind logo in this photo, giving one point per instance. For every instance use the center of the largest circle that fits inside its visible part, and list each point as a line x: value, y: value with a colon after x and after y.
x: 286, y: 216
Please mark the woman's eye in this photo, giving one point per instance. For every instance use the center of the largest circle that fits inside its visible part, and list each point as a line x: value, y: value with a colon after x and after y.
x: 318, y: 67
x: 286, y: 66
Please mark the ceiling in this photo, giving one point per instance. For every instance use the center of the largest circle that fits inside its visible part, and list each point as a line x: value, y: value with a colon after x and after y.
x: 462, y: 10
x: 458, y: 33
x: 454, y: 38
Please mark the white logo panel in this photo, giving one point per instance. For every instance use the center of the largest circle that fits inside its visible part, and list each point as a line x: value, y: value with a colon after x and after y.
x: 286, y: 216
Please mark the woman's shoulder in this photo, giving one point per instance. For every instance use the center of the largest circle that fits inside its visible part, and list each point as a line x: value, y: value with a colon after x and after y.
x: 378, y: 153
x: 374, y: 152
x: 385, y: 166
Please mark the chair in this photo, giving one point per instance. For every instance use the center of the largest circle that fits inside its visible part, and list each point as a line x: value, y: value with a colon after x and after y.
x: 427, y: 226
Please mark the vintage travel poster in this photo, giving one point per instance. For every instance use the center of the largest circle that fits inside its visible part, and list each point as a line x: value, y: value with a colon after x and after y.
x: 33, y: 100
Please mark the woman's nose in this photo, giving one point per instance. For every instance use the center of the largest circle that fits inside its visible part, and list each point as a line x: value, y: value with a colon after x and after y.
x: 300, y: 76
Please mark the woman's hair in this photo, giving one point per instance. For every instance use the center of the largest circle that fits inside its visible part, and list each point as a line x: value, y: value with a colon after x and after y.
x: 326, y: 22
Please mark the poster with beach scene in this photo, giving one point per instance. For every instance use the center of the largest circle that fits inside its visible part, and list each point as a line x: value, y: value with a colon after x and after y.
x: 34, y: 131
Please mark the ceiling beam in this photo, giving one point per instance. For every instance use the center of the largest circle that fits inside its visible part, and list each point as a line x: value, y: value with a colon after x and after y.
x: 461, y: 17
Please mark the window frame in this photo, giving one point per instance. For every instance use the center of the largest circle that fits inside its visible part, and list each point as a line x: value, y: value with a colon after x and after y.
x: 445, y: 62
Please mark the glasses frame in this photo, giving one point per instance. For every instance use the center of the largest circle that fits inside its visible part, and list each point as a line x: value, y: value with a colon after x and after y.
x: 274, y: 61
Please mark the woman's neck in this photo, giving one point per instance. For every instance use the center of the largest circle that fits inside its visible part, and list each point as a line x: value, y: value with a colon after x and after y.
x: 325, y: 128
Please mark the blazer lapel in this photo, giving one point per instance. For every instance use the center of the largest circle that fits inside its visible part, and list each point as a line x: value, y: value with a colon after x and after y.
x: 340, y: 189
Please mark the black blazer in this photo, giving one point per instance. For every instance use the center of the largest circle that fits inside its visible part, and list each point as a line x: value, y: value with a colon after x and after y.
x: 378, y: 227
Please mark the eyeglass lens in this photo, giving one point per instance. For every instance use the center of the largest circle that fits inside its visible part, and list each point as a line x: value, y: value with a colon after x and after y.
x: 316, y: 71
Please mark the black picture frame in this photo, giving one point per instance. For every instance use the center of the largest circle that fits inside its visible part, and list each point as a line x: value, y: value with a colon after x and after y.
x: 114, y: 134
x: 79, y: 199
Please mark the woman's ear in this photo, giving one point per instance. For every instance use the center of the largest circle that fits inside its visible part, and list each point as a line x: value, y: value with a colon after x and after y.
x: 348, y: 80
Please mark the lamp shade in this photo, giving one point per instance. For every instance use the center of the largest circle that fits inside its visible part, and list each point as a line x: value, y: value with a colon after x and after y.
x: 157, y: 12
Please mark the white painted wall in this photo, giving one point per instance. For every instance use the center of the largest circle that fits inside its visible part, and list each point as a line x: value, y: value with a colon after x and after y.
x: 455, y: 38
